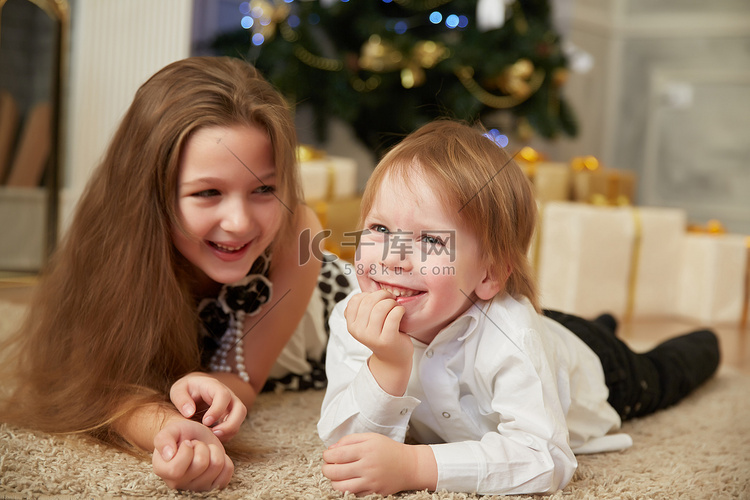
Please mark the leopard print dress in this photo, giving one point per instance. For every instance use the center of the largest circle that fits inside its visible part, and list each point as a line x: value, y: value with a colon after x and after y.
x: 301, y: 365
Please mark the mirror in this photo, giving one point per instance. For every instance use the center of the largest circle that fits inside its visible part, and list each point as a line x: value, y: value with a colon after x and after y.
x: 33, y: 51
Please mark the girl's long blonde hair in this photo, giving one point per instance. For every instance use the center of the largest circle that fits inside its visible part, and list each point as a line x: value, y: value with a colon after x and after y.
x: 479, y: 181
x: 113, y: 321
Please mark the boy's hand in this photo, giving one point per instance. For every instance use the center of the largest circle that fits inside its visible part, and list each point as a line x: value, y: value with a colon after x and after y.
x: 373, y: 463
x: 224, y: 410
x: 373, y: 319
x: 188, y: 456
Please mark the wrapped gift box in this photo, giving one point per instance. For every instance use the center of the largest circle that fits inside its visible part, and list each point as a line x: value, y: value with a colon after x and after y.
x: 328, y: 178
x: 341, y: 218
x: 329, y: 184
x: 550, y: 180
x: 594, y: 259
x: 657, y: 270
x: 584, y: 258
x: 614, y: 186
x: 713, y: 276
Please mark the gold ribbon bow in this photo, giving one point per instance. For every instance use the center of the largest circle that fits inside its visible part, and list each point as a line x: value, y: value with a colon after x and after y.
x: 527, y: 159
x: 713, y: 226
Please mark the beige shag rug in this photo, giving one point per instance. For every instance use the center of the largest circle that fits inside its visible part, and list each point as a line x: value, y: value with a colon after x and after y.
x: 699, y: 449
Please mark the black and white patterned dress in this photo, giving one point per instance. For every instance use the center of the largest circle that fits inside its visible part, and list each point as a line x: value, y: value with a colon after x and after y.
x: 301, y: 364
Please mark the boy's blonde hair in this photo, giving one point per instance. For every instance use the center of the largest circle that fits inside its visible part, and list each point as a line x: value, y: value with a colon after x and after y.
x: 475, y: 177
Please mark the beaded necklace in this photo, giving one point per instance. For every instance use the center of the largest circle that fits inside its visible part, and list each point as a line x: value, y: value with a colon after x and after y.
x: 227, y: 313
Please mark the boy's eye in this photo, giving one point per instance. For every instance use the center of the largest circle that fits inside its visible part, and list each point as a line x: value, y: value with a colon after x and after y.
x: 379, y: 228
x: 206, y: 193
x: 433, y: 240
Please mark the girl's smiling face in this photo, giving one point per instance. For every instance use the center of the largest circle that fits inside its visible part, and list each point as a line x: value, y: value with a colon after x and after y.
x: 416, y: 248
x: 226, y: 201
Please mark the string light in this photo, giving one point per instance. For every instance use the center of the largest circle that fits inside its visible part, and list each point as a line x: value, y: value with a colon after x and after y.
x: 261, y: 14
x: 498, y: 138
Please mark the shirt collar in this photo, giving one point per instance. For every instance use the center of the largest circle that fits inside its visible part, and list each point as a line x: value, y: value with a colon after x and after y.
x: 462, y: 327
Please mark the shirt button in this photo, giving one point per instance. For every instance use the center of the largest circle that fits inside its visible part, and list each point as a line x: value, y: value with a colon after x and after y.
x: 429, y: 353
x: 404, y: 411
x: 446, y: 414
x: 644, y: 385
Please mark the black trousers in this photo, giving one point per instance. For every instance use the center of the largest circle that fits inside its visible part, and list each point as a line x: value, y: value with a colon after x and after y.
x: 642, y: 383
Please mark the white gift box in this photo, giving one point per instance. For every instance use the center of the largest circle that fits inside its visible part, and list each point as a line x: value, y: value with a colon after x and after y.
x: 332, y: 177
x: 584, y: 258
x: 622, y: 260
x: 712, y: 278
x: 657, y: 270
x: 552, y: 181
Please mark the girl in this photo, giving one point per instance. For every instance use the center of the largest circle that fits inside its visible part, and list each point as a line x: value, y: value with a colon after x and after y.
x: 446, y: 339
x: 180, y: 280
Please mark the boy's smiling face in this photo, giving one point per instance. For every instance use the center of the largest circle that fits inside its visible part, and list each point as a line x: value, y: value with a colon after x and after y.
x: 417, y: 248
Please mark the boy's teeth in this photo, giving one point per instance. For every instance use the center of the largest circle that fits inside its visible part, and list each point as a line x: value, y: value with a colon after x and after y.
x: 399, y: 292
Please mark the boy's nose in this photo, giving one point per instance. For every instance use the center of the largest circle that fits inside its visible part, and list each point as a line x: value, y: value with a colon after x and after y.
x: 398, y: 253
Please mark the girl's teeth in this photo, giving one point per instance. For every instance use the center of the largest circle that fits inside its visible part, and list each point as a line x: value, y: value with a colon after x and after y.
x: 228, y: 249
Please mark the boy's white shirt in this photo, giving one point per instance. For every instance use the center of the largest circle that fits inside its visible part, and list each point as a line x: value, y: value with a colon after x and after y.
x: 503, y: 395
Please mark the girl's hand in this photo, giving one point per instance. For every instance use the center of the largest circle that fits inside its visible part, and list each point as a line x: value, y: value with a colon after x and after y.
x: 224, y: 412
x: 373, y: 463
x: 188, y: 456
x: 373, y: 319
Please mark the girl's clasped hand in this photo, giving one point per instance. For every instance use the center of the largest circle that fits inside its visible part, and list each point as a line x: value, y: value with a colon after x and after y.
x: 188, y: 452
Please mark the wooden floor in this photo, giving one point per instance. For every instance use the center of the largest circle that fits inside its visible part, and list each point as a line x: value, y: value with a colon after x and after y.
x: 640, y: 334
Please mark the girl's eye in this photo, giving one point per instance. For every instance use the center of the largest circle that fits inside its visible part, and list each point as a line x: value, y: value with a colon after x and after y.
x: 266, y: 189
x: 206, y: 193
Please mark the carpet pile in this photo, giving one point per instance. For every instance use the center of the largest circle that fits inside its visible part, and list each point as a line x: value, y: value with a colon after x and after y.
x: 698, y: 449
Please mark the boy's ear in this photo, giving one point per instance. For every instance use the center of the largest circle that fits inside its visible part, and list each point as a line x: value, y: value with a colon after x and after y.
x: 491, y: 284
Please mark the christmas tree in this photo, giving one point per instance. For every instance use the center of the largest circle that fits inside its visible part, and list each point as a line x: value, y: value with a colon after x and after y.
x: 388, y: 66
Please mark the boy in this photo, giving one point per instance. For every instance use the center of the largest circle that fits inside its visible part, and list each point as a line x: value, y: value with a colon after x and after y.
x: 446, y: 339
